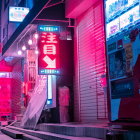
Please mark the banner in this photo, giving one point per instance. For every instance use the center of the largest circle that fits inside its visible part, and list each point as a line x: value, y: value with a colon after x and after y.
x: 36, y: 104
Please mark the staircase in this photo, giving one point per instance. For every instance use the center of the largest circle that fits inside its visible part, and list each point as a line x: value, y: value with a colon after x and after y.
x: 58, y: 132
x: 95, y: 131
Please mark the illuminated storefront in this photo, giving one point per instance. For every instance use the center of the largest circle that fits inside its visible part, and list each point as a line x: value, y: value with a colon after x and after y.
x: 122, y: 39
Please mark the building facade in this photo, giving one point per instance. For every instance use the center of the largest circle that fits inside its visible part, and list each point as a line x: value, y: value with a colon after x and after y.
x: 20, y: 49
x: 88, y: 82
x: 90, y: 62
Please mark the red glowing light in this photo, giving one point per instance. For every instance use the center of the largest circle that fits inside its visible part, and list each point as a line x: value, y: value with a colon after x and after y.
x: 43, y: 36
x: 5, y: 98
x: 51, y: 38
x: 48, y: 51
x: 51, y: 63
x: 43, y: 41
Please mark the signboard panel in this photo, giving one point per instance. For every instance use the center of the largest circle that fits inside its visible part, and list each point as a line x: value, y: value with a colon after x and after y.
x: 120, y: 15
x: 113, y: 27
x: 48, y: 60
x: 17, y: 14
x: 116, y: 7
x: 129, y: 17
x: 44, y: 28
x: 122, y: 88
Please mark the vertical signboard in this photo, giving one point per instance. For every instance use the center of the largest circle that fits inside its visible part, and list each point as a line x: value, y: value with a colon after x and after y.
x: 48, y: 60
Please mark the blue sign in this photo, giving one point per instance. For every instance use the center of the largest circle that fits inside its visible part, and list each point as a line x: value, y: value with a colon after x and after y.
x: 51, y: 72
x: 44, y: 28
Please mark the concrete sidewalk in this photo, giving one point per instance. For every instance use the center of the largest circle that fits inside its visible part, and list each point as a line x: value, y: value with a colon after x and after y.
x: 5, y: 137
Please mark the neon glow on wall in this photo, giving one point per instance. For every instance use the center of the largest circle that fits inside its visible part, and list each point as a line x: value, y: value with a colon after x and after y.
x: 48, y: 60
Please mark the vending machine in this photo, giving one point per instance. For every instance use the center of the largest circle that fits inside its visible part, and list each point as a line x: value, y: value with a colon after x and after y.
x: 122, y: 21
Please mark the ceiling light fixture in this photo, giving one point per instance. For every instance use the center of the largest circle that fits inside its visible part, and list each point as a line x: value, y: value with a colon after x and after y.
x: 19, y: 52
x: 23, y: 47
x: 36, y: 36
x: 30, y: 42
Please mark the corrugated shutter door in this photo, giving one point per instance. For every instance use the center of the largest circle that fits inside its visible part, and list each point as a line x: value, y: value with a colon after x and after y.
x: 91, y: 57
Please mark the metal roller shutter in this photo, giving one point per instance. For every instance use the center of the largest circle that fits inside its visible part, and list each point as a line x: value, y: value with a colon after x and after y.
x: 90, y: 65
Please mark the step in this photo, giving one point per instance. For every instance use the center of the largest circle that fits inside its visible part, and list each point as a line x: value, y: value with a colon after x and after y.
x: 49, y: 135
x: 29, y: 137
x: 12, y: 133
x: 18, y: 135
x: 75, y: 130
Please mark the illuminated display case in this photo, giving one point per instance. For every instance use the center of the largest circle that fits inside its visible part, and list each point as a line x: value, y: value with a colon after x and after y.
x: 123, y: 50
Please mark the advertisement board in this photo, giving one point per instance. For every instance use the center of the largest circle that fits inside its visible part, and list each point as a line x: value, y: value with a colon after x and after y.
x: 125, y: 20
x: 17, y: 14
x: 129, y: 17
x: 113, y: 27
x: 117, y: 7
x: 36, y: 103
x: 48, y: 59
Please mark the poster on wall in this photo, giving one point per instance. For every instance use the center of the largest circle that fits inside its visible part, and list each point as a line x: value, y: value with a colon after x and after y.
x: 129, y: 57
x: 117, y: 64
x: 128, y: 51
x: 36, y: 103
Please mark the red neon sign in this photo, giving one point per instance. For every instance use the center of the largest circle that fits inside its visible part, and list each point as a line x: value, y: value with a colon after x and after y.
x: 48, y: 51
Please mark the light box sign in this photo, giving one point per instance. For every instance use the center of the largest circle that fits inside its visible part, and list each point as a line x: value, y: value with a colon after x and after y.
x: 129, y: 17
x: 113, y: 27
x: 48, y: 59
x: 115, y: 7
x: 124, y: 19
x: 17, y: 14
x: 44, y: 28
